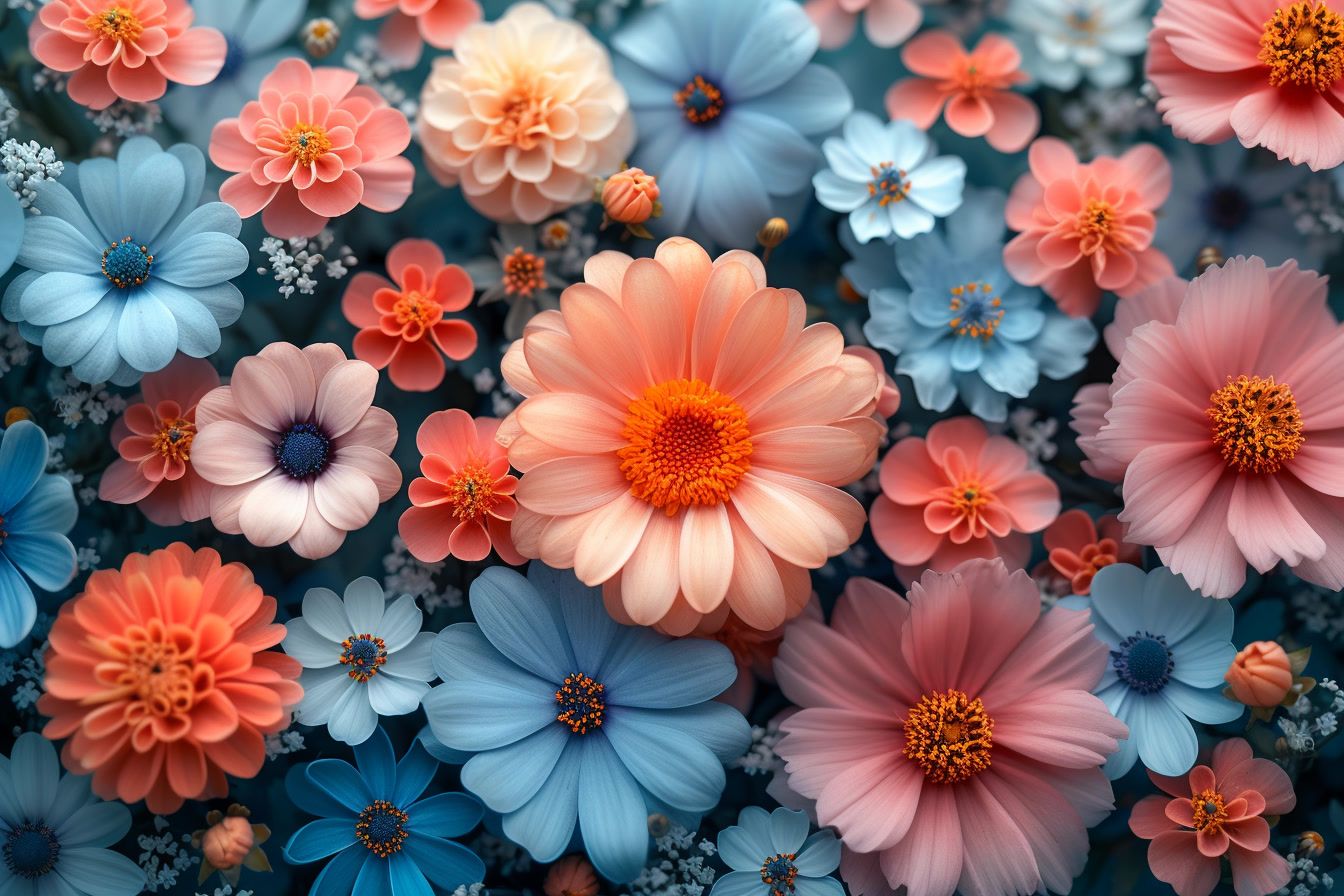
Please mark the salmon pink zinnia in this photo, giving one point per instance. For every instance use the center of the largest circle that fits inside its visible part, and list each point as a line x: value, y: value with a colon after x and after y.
x: 683, y: 436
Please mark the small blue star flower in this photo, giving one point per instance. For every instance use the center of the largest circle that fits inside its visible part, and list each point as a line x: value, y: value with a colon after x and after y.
x: 772, y: 855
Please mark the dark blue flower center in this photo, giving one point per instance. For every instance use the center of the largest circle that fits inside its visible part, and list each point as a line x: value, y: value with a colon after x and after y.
x: 304, y: 451
x: 976, y: 311
x: 1226, y: 208
x: 234, y: 57
x: 582, y: 703
x: 127, y: 264
x: 382, y: 828
x: 363, y: 654
x: 31, y: 850
x: 1143, y: 661
x: 700, y: 101
x: 778, y: 873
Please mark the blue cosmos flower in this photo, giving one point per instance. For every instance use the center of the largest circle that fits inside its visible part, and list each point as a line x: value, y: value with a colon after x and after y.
x: 888, y: 179
x: 36, y: 510
x: 385, y: 839
x: 55, y: 833
x: 957, y: 323
x: 724, y: 98
x: 771, y: 855
x: 1170, y: 648
x: 572, y: 716
x: 11, y: 229
x: 126, y: 268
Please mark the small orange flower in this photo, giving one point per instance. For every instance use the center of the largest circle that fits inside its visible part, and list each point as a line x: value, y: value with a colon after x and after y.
x: 1078, y: 550
x: 571, y: 876
x: 1261, y: 675
x: 630, y: 196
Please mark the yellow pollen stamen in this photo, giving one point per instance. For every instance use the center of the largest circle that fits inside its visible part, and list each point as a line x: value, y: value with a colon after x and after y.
x: 173, y: 440
x: 978, y: 313
x: 889, y: 183
x: 1303, y: 44
x: 471, y: 493
x: 949, y: 736
x: 307, y: 142
x: 1097, y: 226
x: 416, y: 313
x: 524, y: 273
x: 581, y: 703
x: 689, y: 444
x: 115, y: 23
x: 1209, y: 811
x: 1256, y: 424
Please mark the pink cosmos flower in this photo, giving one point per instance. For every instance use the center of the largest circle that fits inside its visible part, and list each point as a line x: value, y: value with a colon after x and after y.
x: 1087, y: 228
x: 464, y: 499
x: 295, y: 449
x: 972, y: 90
x: 959, y: 493
x: 1217, y: 811
x: 1227, y: 429
x: 414, y: 23
x: 1078, y: 548
x: 313, y: 147
x: 154, y: 440
x: 1269, y: 72
x: 128, y: 49
x: 950, y: 737
x: 403, y: 327
x: 886, y: 22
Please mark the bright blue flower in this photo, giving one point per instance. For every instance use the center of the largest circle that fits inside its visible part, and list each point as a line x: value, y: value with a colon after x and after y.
x: 1170, y: 648
x: 385, y: 839
x: 125, y: 269
x: 36, y: 510
x: 11, y: 229
x: 957, y: 323
x: 724, y: 98
x: 776, y: 846
x: 55, y: 833
x: 888, y: 178
x: 574, y: 717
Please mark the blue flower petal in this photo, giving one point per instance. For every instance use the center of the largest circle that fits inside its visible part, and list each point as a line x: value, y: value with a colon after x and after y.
x: 792, y: 157
x: 23, y: 457
x: 52, y: 244
x: 521, y: 623
x: 746, y: 845
x: 984, y: 401
x: 672, y: 764
x: 679, y: 179
x: 612, y: 813
x: 90, y: 339
x: 147, y: 333
x: 102, y: 199
x: 73, y: 792
x: 840, y: 195
x: 1008, y: 367
x: 203, y: 259
x: 1116, y: 592
x: 55, y: 202
x: 818, y: 886
x: 931, y: 372
x: 319, y: 839
x: 35, y: 773
x: 1166, y: 740
x: 378, y: 765
x: 788, y: 829
x: 445, y: 815
x: 811, y: 102
x: 484, y: 714
x: 406, y: 877
x: 214, y: 217
x: 90, y: 869
x: 96, y: 824
x: 49, y: 506
x: 338, y: 878
x: 645, y: 42
x: 193, y: 168
x: 870, y: 222
x: 151, y: 193
x: 11, y: 230
x: 732, y: 200
x: 741, y: 883
x: 12, y: 299
x: 449, y: 865
x: 545, y: 825
x: 312, y: 799
x: 1061, y: 347
x: 373, y: 879
x: 439, y: 750
x: 1021, y: 324
x: 978, y: 225
x: 271, y: 23
x: 197, y: 330
x: 224, y: 302
x: 778, y: 42
x: 45, y: 557
x: 60, y: 296
x: 673, y: 674
x: 819, y: 856
x: 339, y: 780
x: 967, y: 354
x: 414, y: 772
x: 1207, y: 705
x: 508, y: 777
x: 1202, y: 663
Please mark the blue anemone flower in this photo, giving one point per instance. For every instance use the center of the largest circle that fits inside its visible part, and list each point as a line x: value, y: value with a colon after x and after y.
x: 385, y: 839
x: 571, y: 716
x: 55, y: 832
x: 36, y: 510
x: 957, y: 323
x: 771, y: 855
x: 11, y: 229
x: 725, y: 99
x: 126, y: 267
x: 1170, y: 648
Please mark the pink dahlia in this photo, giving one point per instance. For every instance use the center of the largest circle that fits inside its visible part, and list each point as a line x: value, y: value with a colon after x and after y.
x: 885, y: 22
x: 684, y: 437
x: 414, y: 23
x: 1215, y: 812
x: 1227, y: 429
x: 127, y: 49
x: 1087, y: 228
x: 950, y: 737
x: 295, y: 450
x: 315, y: 145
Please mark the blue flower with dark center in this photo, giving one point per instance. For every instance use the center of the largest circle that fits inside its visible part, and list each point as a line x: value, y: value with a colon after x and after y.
x: 1143, y: 661
x: 303, y: 451
x: 772, y: 855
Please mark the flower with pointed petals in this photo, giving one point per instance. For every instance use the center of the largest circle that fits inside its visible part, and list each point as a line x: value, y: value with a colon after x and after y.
x: 770, y: 854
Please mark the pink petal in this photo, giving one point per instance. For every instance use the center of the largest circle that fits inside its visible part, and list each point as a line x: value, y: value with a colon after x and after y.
x: 193, y: 57
x: 229, y: 453
x: 345, y: 496
x: 343, y: 396
x: 274, y: 509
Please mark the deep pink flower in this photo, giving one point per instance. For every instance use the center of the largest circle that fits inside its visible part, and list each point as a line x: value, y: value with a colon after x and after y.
x: 414, y: 23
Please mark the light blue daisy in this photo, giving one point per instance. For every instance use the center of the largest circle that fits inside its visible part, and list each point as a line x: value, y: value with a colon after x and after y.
x: 11, y: 229
x: 772, y: 855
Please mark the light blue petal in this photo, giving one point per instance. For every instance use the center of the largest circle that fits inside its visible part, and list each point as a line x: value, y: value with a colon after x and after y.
x: 732, y: 202
x: 377, y: 765
x: 812, y: 101
x: 672, y: 674
x: 787, y: 155
x: 51, y: 244
x: 59, y: 296
x: 612, y: 814
x: 406, y: 877
x: 45, y: 557
x: 674, y: 766
x: 11, y: 230
x: 197, y: 331
x: 55, y: 201
x: 373, y: 879
x: 649, y: 42
x: 1206, y: 705
x: 1122, y: 760
x: 223, y: 301
x: 1185, y: 613
x: 978, y: 225
x: 909, y: 219
x: 13, y: 297
x: 312, y: 799
x: 1062, y: 346
x: 1167, y: 742
x: 339, y: 780
x: 98, y: 187
x: 843, y: 158
x: 35, y: 772
x: 93, y: 870
x: 1007, y: 367
x: 98, y: 824
x: 1116, y: 596
x: 745, y: 846
x: 930, y: 307
x: 779, y: 41
x: 818, y: 886
x: 147, y: 332
x: 438, y: 750
x: 338, y: 877
x: 151, y: 196
x: 819, y: 856
x: 213, y: 217
x: 1202, y: 663
x: 414, y: 772
x: 938, y: 183
x: 319, y: 839
x: 224, y: 15
x: 788, y: 830
x: 23, y: 457
x: 10, y: 813
x: 193, y: 169
x: 202, y: 259
x: 870, y: 222
x: 73, y: 793
x: 449, y: 865
x: 89, y: 342
x: 271, y: 23
x: 590, y: 629
x: 521, y: 624
x: 545, y: 825
x: 967, y: 353
x: 445, y: 815
x: 984, y: 401
x: 484, y: 715
x: 890, y: 327
x: 1021, y: 324
x: 840, y: 195
x: 352, y: 718
x: 931, y: 371
x: 508, y: 777
x: 681, y: 175
x: 740, y: 883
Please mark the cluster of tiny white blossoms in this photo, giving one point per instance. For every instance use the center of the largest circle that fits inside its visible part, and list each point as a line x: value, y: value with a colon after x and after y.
x: 26, y: 165
x: 294, y: 262
x: 760, y: 758
x: 1105, y: 122
x: 1320, y: 612
x: 1307, y: 877
x: 126, y: 119
x: 680, y: 867
x: 282, y: 743
x: 407, y: 575
x: 164, y: 857
x: 76, y: 402
x: 1036, y: 435
x: 8, y: 115
x: 368, y: 62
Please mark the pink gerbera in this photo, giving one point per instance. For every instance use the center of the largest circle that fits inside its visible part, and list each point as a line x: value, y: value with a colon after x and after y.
x: 1227, y: 428
x: 295, y: 449
x: 414, y: 23
x: 950, y: 737
x: 1217, y: 811
x: 128, y: 49
x: 885, y: 22
x: 315, y: 145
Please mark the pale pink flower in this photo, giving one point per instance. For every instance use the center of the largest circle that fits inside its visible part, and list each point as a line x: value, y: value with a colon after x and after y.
x: 885, y: 22
x: 414, y: 23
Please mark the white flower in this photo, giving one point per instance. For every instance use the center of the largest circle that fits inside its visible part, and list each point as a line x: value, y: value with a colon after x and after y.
x: 1070, y: 39
x: 361, y: 658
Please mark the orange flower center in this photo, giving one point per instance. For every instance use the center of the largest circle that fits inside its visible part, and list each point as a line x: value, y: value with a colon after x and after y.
x: 949, y: 736
x: 382, y: 828
x: 700, y: 101
x: 1209, y: 811
x: 115, y: 23
x: 307, y: 142
x: 1096, y: 224
x: 581, y: 703
x: 173, y: 440
x: 689, y: 444
x: 978, y: 313
x: 154, y: 666
x: 471, y: 493
x: 363, y: 654
x: 524, y: 121
x: 524, y: 273
x: 889, y: 183
x: 780, y: 874
x: 1256, y: 424
x: 1303, y: 44
x: 968, y: 497
x: 415, y: 313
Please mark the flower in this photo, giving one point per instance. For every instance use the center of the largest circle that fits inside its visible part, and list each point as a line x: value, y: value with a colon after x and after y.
x: 312, y: 148
x: 964, y: 701
x: 1068, y: 40
x: 959, y: 493
x: 753, y: 653
x: 958, y: 324
x: 295, y: 450
x: 571, y: 876
x: 56, y: 833
x: 37, y: 509
x: 11, y: 229
x: 126, y: 267
x: 974, y: 87
x: 1261, y: 674
x: 1222, y: 424
x: 320, y: 36
x: 464, y: 501
x: 230, y: 843
x: 127, y: 49
x: 886, y: 23
x: 770, y: 854
x: 518, y: 273
x: 524, y: 115
x: 413, y: 23
x: 888, y: 179
x: 372, y: 820
x: 1220, y: 811
x: 403, y: 327
x: 888, y: 395
x: 569, y: 715
x: 1267, y: 72
x: 1078, y: 552
x: 1169, y: 648
x: 159, y: 674
x: 153, y: 439
x: 361, y: 658
x: 1089, y: 227
x: 683, y: 437
x: 630, y: 196
x: 725, y: 100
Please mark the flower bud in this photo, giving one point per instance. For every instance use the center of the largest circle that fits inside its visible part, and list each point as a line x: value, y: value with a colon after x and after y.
x: 571, y: 876
x: 1261, y: 675
x: 628, y: 196
x: 320, y: 37
x: 227, y: 842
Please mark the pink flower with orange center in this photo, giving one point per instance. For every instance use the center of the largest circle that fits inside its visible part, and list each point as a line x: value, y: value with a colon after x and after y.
x: 885, y: 22
x: 1078, y: 547
x: 1087, y: 228
x: 403, y: 325
x: 127, y: 49
x: 414, y: 23
x: 160, y: 675
x: 313, y: 147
